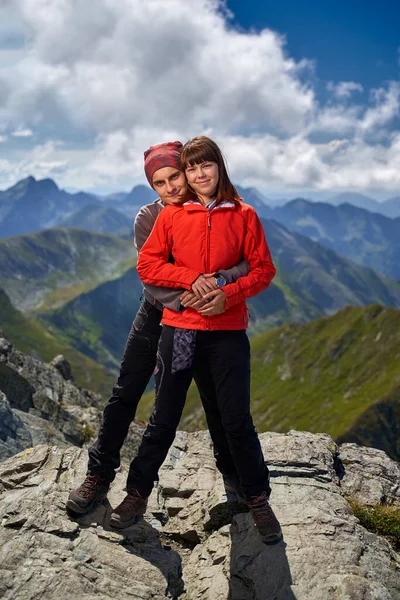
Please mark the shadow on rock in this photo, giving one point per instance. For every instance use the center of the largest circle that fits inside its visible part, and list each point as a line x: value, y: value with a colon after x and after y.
x: 141, y: 540
x: 223, y: 513
x: 258, y: 571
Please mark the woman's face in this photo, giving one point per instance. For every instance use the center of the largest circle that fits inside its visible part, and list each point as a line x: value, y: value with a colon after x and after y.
x: 203, y: 179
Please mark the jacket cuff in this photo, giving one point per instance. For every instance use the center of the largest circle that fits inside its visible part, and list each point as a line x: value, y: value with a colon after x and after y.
x: 231, y: 295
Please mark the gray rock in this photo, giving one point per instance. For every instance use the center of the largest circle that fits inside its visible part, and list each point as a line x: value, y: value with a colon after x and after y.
x: 325, y: 553
x: 14, y: 434
x: 42, y: 405
x: 369, y: 475
x: 63, y: 367
x: 45, y: 554
x: 192, y: 544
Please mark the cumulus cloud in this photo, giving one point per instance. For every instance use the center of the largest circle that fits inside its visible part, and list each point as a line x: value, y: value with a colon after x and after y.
x: 344, y: 89
x: 131, y: 62
x: 41, y: 161
x: 130, y: 74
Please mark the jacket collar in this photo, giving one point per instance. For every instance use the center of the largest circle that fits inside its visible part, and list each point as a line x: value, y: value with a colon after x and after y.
x: 192, y: 205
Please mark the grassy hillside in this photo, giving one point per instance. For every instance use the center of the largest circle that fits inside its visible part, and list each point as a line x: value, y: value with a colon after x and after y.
x: 34, y: 267
x: 97, y: 323
x: 339, y: 375
x: 31, y: 337
x: 311, y: 281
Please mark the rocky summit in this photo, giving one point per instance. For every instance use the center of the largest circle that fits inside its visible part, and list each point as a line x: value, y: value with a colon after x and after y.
x: 41, y: 404
x: 192, y: 544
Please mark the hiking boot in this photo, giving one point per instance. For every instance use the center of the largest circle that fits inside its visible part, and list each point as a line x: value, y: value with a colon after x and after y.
x: 233, y: 489
x: 132, y: 507
x: 264, y: 518
x: 93, y: 489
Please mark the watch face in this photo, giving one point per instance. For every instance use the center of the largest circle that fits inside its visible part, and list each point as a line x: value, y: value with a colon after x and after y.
x: 220, y: 281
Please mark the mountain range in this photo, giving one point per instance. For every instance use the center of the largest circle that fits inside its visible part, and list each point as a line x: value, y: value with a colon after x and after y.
x: 31, y: 205
x: 312, y: 281
x: 49, y: 267
x: 367, y: 238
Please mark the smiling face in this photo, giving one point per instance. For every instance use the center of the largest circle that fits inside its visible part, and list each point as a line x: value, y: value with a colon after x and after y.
x: 170, y: 184
x: 203, y: 179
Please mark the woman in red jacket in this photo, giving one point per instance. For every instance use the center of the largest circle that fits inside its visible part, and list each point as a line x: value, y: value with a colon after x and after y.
x: 210, y: 231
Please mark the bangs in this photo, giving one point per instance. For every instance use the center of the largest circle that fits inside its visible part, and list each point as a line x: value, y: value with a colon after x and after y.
x: 197, y: 154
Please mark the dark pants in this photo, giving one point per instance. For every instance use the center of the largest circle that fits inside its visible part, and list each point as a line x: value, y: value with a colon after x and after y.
x: 137, y: 367
x: 221, y: 364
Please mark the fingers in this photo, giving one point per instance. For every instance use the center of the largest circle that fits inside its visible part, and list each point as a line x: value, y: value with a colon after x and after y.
x: 214, y: 294
x: 216, y: 301
x: 194, y: 302
x: 200, y: 289
x: 186, y: 294
x: 210, y: 283
x: 198, y: 304
x: 187, y: 298
x: 210, y: 311
x: 203, y: 285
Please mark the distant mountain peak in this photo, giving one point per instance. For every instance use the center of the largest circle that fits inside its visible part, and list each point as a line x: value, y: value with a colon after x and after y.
x: 30, y: 184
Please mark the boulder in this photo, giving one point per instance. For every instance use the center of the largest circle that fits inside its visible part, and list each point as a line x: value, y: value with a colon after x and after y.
x: 46, y: 407
x: 63, y: 367
x: 192, y: 543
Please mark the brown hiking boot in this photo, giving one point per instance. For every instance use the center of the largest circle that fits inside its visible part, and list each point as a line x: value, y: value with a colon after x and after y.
x: 132, y: 507
x: 264, y: 518
x: 93, y: 489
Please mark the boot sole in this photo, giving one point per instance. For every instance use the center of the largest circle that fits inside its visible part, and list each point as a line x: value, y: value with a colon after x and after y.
x: 115, y: 523
x: 79, y: 509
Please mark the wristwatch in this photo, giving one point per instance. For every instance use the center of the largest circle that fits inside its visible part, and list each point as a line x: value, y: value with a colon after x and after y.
x: 220, y: 280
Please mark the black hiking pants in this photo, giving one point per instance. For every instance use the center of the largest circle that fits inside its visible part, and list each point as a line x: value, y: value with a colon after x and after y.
x: 221, y: 365
x: 137, y: 366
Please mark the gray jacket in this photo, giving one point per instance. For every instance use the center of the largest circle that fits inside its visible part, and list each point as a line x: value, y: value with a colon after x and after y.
x: 162, y: 296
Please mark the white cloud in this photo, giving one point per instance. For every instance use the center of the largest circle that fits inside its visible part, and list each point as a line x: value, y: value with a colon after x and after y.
x: 42, y: 161
x: 386, y: 107
x: 130, y: 74
x: 131, y: 62
x: 3, y: 138
x: 344, y: 89
x: 22, y: 133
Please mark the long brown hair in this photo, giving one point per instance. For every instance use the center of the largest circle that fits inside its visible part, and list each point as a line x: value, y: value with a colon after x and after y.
x: 202, y: 149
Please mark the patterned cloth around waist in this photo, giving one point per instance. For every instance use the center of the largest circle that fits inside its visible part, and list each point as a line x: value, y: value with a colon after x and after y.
x: 183, y: 349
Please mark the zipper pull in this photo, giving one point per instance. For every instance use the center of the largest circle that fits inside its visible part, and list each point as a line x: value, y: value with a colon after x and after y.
x: 209, y: 220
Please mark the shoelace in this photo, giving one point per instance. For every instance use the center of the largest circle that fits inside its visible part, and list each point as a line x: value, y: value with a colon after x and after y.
x: 90, y: 482
x: 261, y: 509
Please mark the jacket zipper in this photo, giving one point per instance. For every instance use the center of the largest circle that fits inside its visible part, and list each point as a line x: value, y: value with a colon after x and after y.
x: 208, y: 252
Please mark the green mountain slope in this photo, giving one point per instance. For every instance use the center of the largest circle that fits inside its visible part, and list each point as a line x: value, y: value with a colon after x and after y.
x: 31, y: 337
x: 368, y: 238
x: 47, y: 268
x: 312, y: 281
x: 339, y: 375
x: 97, y: 323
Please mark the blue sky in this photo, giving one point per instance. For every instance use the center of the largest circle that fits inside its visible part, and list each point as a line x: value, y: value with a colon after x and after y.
x: 302, y: 96
x: 355, y: 40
